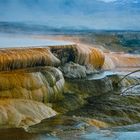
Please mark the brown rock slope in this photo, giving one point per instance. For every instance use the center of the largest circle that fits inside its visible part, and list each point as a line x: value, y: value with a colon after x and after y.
x: 26, y: 57
x: 81, y: 54
x: 43, y: 84
x: 86, y: 55
x: 121, y: 60
x: 27, y: 85
x: 24, y: 95
x: 22, y: 113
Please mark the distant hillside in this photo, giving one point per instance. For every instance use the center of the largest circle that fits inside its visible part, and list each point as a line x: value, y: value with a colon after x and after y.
x: 115, y: 40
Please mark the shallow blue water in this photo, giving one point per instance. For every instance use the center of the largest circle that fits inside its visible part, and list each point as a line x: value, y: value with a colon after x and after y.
x: 113, y: 136
x: 10, y: 42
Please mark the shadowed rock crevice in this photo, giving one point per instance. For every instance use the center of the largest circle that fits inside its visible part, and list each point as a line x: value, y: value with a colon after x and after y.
x: 80, y: 54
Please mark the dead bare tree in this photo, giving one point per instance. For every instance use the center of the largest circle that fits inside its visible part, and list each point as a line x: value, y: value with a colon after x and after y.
x: 130, y: 87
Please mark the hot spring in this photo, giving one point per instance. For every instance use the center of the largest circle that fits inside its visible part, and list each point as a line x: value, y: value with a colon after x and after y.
x: 53, y: 89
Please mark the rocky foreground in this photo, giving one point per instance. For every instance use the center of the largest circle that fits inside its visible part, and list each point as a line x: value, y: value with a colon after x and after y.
x: 69, y: 80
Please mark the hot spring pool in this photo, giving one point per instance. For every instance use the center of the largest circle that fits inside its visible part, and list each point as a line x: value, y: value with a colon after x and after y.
x: 11, y: 42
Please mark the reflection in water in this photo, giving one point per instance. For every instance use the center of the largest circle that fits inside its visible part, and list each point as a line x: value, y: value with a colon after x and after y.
x: 107, y: 135
x: 20, y: 134
x: 92, y: 134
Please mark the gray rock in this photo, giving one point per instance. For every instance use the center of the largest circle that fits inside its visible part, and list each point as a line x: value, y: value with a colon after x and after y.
x: 73, y: 70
